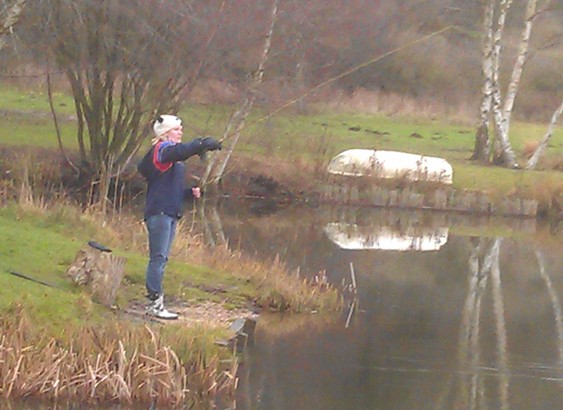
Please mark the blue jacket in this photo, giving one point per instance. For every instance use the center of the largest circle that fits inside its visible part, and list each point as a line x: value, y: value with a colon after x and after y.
x: 164, y: 172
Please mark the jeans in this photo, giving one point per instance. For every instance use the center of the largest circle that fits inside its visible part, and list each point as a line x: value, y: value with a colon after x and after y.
x: 162, y: 229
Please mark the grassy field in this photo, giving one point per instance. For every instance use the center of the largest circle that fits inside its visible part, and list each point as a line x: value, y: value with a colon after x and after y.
x: 288, y: 135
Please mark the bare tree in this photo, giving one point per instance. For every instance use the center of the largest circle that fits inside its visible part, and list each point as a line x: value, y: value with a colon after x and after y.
x: 504, y: 152
x: 217, y: 164
x: 124, y: 63
x: 492, y: 100
x: 9, y: 15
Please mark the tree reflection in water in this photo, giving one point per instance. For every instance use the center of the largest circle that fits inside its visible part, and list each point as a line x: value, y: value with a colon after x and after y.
x: 474, y: 382
x: 483, y: 265
x: 556, y: 306
x: 484, y: 268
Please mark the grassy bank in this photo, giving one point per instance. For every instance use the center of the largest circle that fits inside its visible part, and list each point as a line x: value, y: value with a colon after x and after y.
x: 56, y: 343
x: 42, y: 243
x: 290, y: 145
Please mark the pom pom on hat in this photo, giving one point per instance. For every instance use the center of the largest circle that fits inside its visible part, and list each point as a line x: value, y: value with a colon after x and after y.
x: 165, y: 123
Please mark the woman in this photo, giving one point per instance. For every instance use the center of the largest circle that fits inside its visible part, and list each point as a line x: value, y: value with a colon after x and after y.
x: 164, y: 171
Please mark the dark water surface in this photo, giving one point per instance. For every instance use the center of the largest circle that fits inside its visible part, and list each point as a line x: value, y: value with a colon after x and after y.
x: 451, y: 312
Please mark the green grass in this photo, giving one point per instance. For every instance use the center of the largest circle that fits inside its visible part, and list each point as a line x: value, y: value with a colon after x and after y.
x: 32, y: 247
x: 315, y: 138
x: 29, y: 101
x: 287, y: 133
x: 43, y: 244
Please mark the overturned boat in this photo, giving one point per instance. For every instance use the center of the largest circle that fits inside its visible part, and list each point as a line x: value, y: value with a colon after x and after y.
x: 391, y: 164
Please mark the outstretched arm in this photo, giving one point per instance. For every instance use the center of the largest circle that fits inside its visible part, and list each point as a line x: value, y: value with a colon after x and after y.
x: 182, y: 151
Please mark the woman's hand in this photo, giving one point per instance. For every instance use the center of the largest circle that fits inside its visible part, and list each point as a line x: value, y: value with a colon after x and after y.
x: 196, y: 192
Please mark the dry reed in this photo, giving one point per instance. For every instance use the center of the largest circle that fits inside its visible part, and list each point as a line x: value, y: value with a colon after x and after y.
x: 278, y: 288
x: 119, y: 364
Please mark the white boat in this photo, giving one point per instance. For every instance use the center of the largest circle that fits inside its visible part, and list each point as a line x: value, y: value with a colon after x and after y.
x: 391, y: 164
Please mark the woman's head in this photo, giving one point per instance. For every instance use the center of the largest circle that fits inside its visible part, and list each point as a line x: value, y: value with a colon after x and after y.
x: 167, y: 128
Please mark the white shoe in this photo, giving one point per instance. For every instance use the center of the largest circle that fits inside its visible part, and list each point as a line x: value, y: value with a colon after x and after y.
x: 157, y: 309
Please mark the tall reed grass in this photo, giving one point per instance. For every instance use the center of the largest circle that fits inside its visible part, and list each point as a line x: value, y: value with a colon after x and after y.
x: 117, y: 363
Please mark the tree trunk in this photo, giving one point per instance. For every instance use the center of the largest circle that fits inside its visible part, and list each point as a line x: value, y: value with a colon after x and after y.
x: 504, y: 154
x: 533, y: 162
x: 503, y: 150
x: 519, y: 63
x: 9, y: 19
x: 238, y: 119
x: 482, y: 148
x: 100, y: 271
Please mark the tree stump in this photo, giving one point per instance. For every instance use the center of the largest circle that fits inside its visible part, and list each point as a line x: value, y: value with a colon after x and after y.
x: 100, y: 271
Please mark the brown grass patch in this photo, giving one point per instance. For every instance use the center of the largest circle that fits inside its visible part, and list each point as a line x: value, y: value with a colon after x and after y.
x: 377, y: 102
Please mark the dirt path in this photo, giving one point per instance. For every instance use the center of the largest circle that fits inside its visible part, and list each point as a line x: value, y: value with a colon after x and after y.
x: 195, y: 313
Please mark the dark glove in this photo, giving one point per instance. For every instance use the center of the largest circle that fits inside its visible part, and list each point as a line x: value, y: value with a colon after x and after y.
x: 209, y: 144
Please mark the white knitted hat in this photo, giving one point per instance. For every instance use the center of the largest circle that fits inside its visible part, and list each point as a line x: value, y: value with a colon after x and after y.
x: 165, y: 123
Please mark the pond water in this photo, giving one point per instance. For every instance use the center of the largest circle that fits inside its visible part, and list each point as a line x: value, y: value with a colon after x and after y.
x: 450, y: 311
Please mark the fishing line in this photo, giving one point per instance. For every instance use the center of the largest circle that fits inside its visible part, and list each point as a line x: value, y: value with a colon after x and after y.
x: 339, y: 76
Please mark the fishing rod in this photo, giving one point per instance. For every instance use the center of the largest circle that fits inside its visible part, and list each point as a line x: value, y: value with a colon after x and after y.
x: 30, y: 278
x: 93, y: 244
x: 338, y: 77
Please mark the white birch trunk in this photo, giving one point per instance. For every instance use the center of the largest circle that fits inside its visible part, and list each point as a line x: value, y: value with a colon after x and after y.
x: 12, y: 15
x: 497, y: 37
x: 482, y: 149
x: 238, y: 119
x: 533, y: 161
x: 531, y: 13
x: 506, y: 152
x: 502, y: 141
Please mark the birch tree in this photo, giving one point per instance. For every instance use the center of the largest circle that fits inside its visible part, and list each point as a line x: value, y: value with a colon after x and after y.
x: 533, y: 161
x: 502, y: 142
x: 218, y: 162
x: 492, y: 100
x: 9, y: 15
x: 482, y: 150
